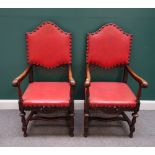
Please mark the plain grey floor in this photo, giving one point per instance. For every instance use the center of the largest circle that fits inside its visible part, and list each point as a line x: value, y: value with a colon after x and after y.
x: 56, y: 134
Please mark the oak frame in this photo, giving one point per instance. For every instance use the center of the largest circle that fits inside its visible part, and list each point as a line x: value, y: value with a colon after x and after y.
x: 44, y: 109
x: 113, y: 110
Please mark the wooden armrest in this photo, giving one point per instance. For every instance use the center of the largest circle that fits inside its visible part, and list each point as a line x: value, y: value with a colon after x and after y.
x: 140, y: 80
x: 18, y: 79
x: 71, y: 79
x: 88, y: 77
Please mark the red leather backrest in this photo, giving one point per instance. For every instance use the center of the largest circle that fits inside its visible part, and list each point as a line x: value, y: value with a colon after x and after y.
x: 48, y: 46
x: 109, y: 46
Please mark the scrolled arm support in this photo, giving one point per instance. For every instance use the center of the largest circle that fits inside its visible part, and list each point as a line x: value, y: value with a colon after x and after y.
x: 71, y: 79
x: 72, y: 87
x: 18, y: 79
x: 88, y: 77
x: 140, y: 80
x: 87, y: 84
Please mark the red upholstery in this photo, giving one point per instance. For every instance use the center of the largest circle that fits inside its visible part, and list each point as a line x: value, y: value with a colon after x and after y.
x: 55, y: 94
x: 48, y: 46
x: 108, y: 47
x: 109, y: 94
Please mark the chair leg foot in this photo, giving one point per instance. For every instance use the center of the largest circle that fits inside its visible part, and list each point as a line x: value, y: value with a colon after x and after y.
x: 132, y: 126
x: 86, y: 121
x: 25, y: 134
x: 131, y: 135
x: 71, y: 125
x: 132, y: 129
x: 71, y: 132
x: 24, y: 124
x: 85, y: 132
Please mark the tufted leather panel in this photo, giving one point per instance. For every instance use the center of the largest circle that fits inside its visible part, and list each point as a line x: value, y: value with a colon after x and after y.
x: 48, y: 46
x: 108, y: 47
x: 110, y: 94
x: 55, y: 94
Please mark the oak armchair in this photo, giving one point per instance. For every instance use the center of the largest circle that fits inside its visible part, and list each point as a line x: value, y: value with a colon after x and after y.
x: 110, y: 47
x: 47, y: 46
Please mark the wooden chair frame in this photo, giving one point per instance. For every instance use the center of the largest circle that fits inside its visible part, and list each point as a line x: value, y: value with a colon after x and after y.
x: 114, y: 110
x: 44, y: 109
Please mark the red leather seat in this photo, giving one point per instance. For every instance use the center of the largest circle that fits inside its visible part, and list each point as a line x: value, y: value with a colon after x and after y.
x: 53, y: 94
x: 111, y: 94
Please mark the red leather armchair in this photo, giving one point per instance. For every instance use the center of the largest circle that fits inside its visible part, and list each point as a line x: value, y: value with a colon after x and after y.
x: 110, y: 47
x: 47, y: 46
